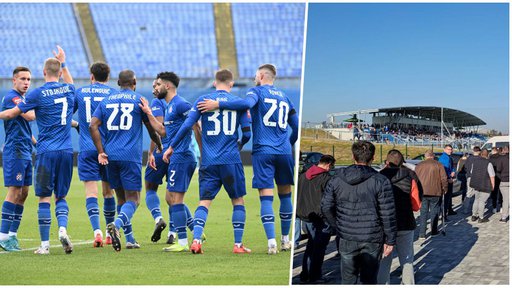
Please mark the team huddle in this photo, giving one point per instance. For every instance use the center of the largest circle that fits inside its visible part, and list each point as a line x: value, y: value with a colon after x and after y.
x: 110, y: 124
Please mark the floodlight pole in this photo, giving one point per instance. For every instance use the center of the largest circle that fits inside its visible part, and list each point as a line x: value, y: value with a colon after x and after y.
x: 442, y: 124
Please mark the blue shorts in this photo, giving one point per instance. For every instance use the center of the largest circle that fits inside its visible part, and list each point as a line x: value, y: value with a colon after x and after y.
x: 125, y: 174
x: 212, y: 177
x: 179, y: 176
x: 156, y: 176
x: 268, y: 167
x: 54, y: 170
x: 89, y: 169
x: 17, y: 172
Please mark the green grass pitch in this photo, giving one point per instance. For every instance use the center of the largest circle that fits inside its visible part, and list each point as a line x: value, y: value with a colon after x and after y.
x: 148, y: 265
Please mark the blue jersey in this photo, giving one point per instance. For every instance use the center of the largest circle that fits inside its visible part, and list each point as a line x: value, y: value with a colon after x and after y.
x: 18, y: 135
x: 175, y: 115
x: 272, y: 112
x: 219, y: 130
x: 53, y: 104
x: 86, y: 101
x: 158, y: 109
x: 121, y: 114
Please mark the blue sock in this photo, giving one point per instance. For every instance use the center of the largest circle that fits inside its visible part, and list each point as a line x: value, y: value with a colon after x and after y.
x: 153, y: 203
x: 180, y: 220
x: 93, y: 210
x: 190, y: 219
x: 267, y: 216
x: 128, y: 232
x: 18, y: 213
x: 285, y: 212
x: 171, y: 222
x: 238, y: 221
x: 44, y: 216
x: 126, y: 214
x: 199, y: 221
x: 109, y: 209
x: 61, y: 212
x: 7, y: 216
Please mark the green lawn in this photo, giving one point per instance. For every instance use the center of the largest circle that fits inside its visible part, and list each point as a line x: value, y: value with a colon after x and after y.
x: 148, y: 265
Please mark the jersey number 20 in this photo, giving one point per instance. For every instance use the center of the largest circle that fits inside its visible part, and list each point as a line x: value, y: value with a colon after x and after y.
x: 125, y: 120
x: 282, y: 119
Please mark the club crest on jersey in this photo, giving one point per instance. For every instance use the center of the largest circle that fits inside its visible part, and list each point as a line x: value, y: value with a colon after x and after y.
x: 170, y: 109
x: 18, y: 177
x: 17, y: 100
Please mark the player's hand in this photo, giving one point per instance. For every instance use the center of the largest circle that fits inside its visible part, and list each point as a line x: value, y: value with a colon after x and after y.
x: 103, y: 158
x: 144, y: 105
x: 167, y: 154
x: 207, y: 105
x: 387, y: 250
x: 60, y: 55
x: 159, y: 148
x: 151, y: 161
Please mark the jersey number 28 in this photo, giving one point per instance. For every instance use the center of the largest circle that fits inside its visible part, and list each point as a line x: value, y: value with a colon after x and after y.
x: 126, y: 118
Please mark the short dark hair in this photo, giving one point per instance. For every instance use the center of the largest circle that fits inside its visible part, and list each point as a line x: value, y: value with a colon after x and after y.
x: 363, y: 151
x: 484, y: 153
x: 327, y: 159
x: 126, y: 78
x: 476, y: 149
x: 169, y: 76
x: 269, y: 67
x: 448, y: 145
x: 224, y: 76
x: 395, y: 157
x: 20, y: 69
x: 100, y: 70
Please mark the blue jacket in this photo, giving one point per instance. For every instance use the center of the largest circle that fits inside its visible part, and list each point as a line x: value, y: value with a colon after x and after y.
x: 447, y: 162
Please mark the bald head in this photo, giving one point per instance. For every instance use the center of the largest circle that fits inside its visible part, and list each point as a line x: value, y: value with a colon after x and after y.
x: 126, y: 79
x: 51, y: 67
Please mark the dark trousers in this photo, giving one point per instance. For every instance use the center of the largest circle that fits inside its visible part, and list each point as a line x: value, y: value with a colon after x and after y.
x: 319, y: 235
x: 448, y: 199
x: 359, y: 259
x: 429, y: 207
x: 496, y: 197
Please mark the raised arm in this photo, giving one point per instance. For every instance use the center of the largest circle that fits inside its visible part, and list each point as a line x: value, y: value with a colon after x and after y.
x: 153, y: 134
x: 192, y: 118
x: 29, y: 116
x: 155, y: 122
x: 61, y: 56
x: 10, y: 113
x: 238, y: 104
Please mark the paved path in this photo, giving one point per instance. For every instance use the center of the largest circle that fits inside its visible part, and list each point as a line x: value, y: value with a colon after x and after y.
x: 470, y: 253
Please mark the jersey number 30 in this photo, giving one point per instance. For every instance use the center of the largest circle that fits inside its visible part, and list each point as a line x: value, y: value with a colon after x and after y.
x: 228, y: 123
x: 125, y: 120
x: 282, y: 119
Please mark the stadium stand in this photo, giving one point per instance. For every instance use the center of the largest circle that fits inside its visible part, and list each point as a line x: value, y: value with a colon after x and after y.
x: 149, y: 37
x: 30, y: 31
x: 255, y: 26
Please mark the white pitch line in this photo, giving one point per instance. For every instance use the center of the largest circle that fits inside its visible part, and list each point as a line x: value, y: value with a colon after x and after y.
x: 51, y: 246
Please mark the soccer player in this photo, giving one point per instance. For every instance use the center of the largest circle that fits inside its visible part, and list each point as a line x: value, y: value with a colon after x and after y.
x: 272, y: 113
x: 17, y: 160
x: 163, y: 107
x: 53, y: 104
x: 220, y: 164
x: 89, y: 170
x: 123, y: 149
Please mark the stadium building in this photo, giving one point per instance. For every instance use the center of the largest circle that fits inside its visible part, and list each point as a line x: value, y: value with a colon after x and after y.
x: 191, y: 39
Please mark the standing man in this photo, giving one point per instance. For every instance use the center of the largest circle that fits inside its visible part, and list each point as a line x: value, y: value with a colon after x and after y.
x: 309, y: 197
x: 53, y: 104
x: 496, y: 196
x: 220, y: 161
x: 182, y: 165
x: 447, y: 162
x: 435, y: 184
x: 17, y: 160
x: 272, y: 157
x: 470, y: 194
x: 482, y: 180
x: 358, y: 202
x: 123, y: 149
x: 502, y: 168
x: 89, y: 170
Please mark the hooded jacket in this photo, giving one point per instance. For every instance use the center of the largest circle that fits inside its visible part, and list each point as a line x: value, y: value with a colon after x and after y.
x: 309, y: 196
x: 358, y: 202
x: 401, y: 180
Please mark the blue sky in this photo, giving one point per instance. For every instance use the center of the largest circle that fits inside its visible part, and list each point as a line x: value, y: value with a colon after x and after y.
x: 362, y: 56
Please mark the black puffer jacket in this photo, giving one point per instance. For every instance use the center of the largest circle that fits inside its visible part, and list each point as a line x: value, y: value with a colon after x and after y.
x: 358, y: 202
x: 401, y: 180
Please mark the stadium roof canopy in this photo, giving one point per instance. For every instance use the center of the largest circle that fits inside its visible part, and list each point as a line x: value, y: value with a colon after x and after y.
x: 457, y: 117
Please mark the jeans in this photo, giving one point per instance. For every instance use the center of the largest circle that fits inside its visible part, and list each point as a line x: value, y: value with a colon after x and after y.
x: 429, y: 207
x: 405, y: 250
x: 297, y: 233
x: 504, y: 191
x: 470, y: 197
x: 479, y: 205
x: 359, y: 259
x: 448, y: 199
x: 319, y: 235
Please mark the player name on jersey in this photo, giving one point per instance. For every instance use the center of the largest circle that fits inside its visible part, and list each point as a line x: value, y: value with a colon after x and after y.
x: 55, y: 91
x: 122, y: 96
x: 95, y: 90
